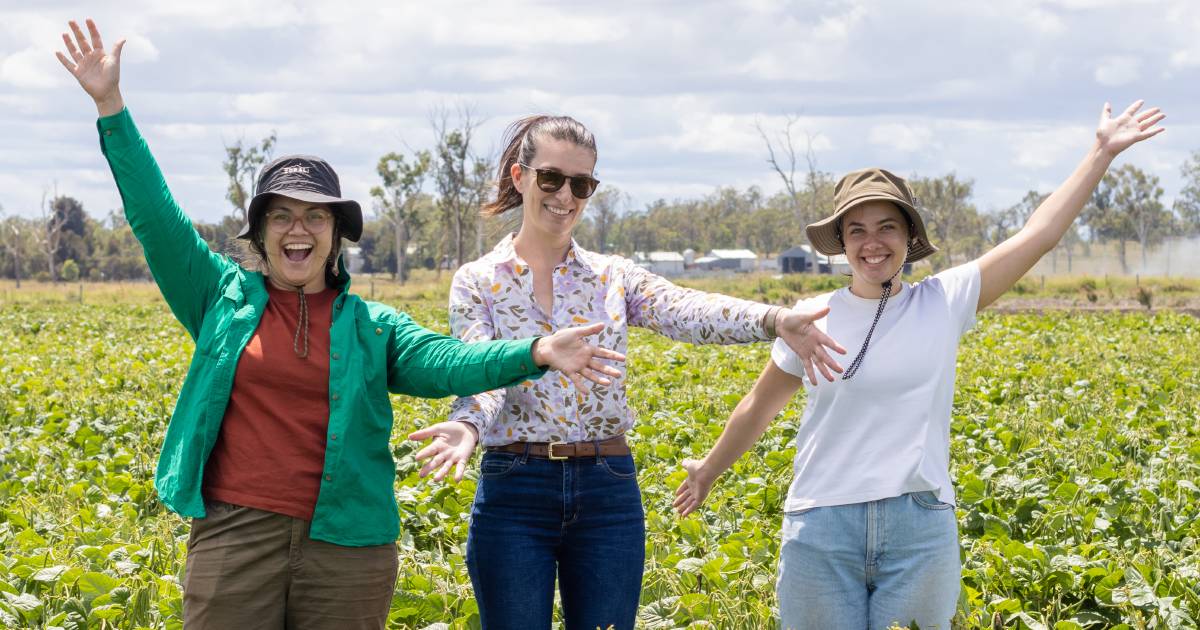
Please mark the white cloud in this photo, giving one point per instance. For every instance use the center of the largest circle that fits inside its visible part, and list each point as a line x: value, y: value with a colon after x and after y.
x: 906, y: 138
x: 1117, y: 70
x: 1046, y: 147
x: 32, y: 68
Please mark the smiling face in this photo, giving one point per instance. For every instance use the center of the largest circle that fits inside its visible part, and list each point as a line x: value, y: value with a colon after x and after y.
x: 552, y: 216
x: 297, y: 237
x: 875, y: 235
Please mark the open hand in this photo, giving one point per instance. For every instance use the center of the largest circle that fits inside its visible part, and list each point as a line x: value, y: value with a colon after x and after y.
x: 695, y: 488
x: 799, y: 331
x: 1114, y: 135
x: 568, y: 352
x: 97, y: 70
x: 452, y: 446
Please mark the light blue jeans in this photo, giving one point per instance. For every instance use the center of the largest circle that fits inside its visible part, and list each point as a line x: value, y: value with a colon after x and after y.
x: 867, y: 565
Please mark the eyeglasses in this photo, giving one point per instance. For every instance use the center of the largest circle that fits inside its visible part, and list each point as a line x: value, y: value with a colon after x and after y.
x: 315, y: 221
x: 582, y: 186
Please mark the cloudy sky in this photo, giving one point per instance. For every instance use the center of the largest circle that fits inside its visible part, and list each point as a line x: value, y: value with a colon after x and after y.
x: 1005, y: 93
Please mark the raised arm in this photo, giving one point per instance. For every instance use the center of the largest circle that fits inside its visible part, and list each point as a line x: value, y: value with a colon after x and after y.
x: 749, y: 420
x: 1001, y: 267
x: 693, y: 316
x: 186, y: 270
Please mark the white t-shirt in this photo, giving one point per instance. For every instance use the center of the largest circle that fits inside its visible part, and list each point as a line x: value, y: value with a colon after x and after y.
x: 886, y: 431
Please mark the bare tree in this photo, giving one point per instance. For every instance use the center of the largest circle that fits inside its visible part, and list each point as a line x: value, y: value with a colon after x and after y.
x: 10, y: 240
x: 53, y: 222
x: 606, y: 206
x: 813, y: 196
x: 241, y: 165
x: 453, y: 159
x: 402, y: 183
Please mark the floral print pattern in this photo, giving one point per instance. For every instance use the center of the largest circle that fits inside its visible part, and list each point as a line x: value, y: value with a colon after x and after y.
x: 492, y: 298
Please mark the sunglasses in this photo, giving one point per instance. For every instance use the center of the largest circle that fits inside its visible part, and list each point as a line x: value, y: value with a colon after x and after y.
x: 582, y: 186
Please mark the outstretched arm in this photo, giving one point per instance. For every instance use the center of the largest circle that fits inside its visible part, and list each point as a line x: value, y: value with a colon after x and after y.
x: 1001, y: 267
x: 747, y: 423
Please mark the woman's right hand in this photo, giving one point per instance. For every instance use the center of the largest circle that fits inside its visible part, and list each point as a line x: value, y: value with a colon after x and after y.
x: 97, y: 70
x: 695, y: 488
x: 452, y: 445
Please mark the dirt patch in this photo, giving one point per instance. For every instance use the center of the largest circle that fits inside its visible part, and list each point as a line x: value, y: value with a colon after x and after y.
x: 1044, y: 304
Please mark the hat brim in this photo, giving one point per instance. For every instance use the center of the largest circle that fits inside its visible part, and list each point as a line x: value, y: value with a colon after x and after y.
x: 349, y: 213
x: 823, y: 234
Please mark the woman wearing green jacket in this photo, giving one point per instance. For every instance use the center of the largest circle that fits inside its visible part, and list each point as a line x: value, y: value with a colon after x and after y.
x: 278, y: 448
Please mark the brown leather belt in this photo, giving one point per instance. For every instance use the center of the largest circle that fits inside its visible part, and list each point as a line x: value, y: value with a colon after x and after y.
x: 564, y: 450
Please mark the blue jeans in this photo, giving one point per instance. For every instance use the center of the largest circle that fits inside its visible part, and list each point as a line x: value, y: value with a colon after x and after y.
x: 580, y: 519
x: 866, y: 565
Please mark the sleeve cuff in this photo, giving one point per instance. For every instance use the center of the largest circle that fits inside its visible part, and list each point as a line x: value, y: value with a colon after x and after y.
x: 519, y: 359
x: 117, y: 131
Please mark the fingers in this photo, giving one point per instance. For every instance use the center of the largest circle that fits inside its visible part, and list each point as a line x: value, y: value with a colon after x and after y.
x: 1150, y: 122
x: 65, y: 62
x: 605, y: 353
x: 808, y: 370
x: 580, y: 384
x: 594, y: 377
x: 459, y: 469
x: 95, y: 33
x: 71, y: 47
x: 430, y: 450
x: 1132, y: 109
x: 1105, y: 112
x: 79, y: 38
x: 590, y: 329
x: 444, y: 470
x: 828, y: 342
x: 116, y: 52
x: 824, y: 369
x: 1148, y: 113
x: 1151, y: 133
x: 595, y: 364
x: 421, y: 435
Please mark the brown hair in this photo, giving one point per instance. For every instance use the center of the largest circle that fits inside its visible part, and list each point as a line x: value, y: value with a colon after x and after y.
x: 519, y: 142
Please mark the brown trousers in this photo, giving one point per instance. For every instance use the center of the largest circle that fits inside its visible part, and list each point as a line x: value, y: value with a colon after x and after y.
x: 248, y: 569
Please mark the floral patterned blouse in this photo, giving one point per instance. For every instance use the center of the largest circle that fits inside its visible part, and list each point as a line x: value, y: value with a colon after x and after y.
x: 492, y: 298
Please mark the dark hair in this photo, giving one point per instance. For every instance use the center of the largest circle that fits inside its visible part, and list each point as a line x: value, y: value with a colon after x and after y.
x: 520, y: 146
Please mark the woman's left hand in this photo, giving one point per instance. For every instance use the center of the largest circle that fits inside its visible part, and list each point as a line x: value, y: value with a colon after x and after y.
x: 1114, y: 135
x: 799, y: 331
x: 568, y: 352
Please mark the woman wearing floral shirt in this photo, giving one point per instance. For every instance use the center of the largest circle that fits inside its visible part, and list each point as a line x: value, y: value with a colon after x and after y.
x: 558, y: 494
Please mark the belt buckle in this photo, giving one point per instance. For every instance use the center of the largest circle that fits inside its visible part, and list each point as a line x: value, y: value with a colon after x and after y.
x: 550, y: 451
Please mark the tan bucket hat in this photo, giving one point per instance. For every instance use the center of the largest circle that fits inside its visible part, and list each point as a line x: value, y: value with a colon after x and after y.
x: 857, y: 187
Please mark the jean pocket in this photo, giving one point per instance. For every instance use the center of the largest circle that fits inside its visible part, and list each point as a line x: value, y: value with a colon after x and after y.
x: 619, y: 466
x: 496, y: 465
x: 929, y: 500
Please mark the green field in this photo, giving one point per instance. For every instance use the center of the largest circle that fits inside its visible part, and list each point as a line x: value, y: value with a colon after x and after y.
x: 1075, y: 452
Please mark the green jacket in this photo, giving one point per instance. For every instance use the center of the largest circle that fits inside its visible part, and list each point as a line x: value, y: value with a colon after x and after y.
x: 373, y: 350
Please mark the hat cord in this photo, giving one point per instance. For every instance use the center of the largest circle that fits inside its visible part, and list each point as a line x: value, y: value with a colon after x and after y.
x: 883, y: 298
x: 301, y: 326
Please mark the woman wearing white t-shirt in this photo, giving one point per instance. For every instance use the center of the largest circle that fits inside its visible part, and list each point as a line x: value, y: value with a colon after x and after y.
x: 869, y: 533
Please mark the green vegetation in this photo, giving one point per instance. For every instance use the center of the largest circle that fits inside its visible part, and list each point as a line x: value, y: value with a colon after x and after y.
x: 1075, y: 448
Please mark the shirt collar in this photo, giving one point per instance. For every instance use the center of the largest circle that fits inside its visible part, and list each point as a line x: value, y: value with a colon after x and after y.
x: 505, y: 252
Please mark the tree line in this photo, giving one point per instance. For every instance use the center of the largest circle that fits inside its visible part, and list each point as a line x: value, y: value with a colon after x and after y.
x: 424, y: 212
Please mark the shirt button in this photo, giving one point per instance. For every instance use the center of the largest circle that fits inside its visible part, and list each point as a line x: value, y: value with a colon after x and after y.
x: 337, y: 397
x: 328, y: 477
x: 336, y: 356
x: 378, y: 331
x: 333, y: 437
